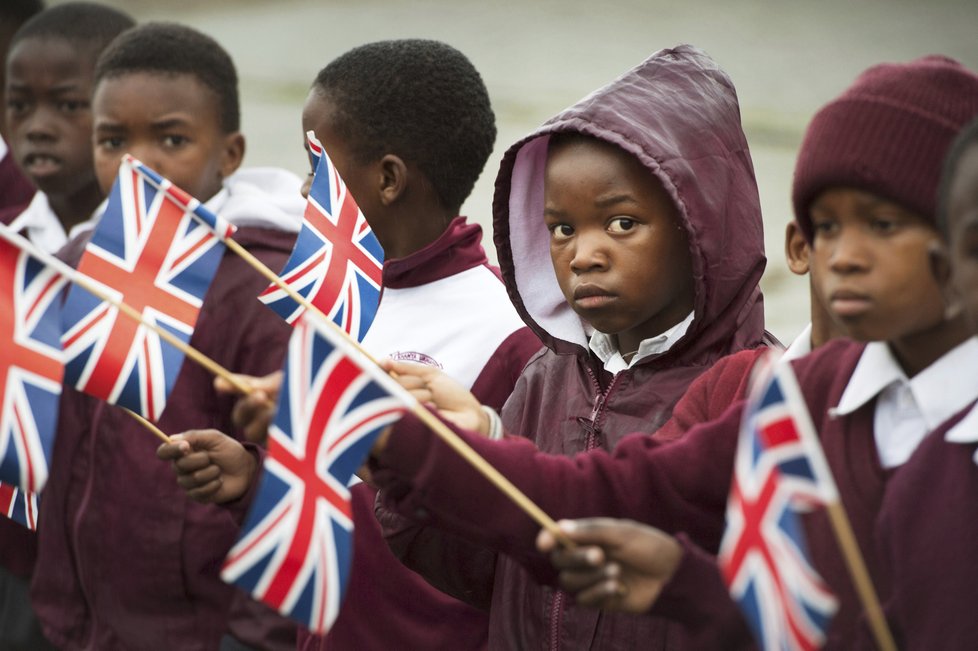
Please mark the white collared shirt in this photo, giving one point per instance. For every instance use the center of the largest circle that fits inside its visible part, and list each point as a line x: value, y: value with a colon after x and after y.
x: 907, y: 409
x: 801, y: 346
x: 40, y: 225
x: 966, y: 431
x: 604, y: 346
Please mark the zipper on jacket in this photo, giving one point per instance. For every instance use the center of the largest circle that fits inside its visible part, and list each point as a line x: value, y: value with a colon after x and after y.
x: 590, y: 441
x: 79, y: 516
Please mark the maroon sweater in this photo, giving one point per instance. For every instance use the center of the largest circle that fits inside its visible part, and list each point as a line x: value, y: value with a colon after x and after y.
x: 15, y: 190
x: 927, y: 521
x: 676, y: 486
x: 125, y: 559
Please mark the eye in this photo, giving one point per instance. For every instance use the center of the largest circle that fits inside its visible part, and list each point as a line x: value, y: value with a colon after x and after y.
x: 71, y: 106
x: 111, y: 143
x: 174, y: 140
x: 823, y: 227
x: 621, y: 225
x: 884, y: 225
x: 16, y: 106
x: 561, y: 232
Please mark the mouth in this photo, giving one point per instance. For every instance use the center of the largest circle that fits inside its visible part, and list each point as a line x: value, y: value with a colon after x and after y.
x: 39, y: 165
x: 592, y: 296
x: 847, y: 303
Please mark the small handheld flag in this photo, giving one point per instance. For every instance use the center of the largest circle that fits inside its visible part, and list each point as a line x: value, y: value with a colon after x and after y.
x: 295, y: 549
x: 31, y: 366
x: 18, y: 505
x: 157, y: 250
x: 779, y: 472
x: 337, y: 261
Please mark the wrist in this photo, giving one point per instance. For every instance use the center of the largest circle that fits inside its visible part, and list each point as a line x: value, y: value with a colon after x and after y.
x: 490, y: 424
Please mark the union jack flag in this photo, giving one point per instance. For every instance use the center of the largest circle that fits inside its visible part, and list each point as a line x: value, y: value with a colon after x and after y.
x: 337, y: 261
x: 31, y: 366
x: 295, y: 549
x: 20, y: 506
x: 157, y: 250
x: 780, y: 471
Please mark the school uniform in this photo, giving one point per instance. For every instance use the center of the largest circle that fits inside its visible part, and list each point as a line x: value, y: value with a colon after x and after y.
x: 682, y: 486
x: 443, y: 306
x: 926, y: 533
x: 125, y: 559
x: 577, y: 394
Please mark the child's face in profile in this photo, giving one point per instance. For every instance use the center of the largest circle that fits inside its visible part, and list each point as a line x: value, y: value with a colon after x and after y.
x: 963, y: 233
x: 169, y: 122
x: 621, y: 257
x: 318, y: 116
x: 49, y: 121
x: 870, y: 266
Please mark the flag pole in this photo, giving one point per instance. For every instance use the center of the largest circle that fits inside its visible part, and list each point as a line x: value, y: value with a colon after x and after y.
x: 90, y: 286
x: 860, y: 575
x: 154, y: 430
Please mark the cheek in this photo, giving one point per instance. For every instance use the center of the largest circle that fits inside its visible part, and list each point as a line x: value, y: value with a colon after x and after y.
x: 106, y: 169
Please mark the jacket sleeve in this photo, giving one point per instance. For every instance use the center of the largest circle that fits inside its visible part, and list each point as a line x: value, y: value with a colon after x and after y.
x: 677, y: 486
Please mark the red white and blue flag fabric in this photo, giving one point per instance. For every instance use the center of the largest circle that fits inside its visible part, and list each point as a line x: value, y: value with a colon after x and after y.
x: 157, y: 250
x: 31, y: 366
x: 295, y: 549
x: 780, y: 472
x: 337, y: 261
x: 19, y: 505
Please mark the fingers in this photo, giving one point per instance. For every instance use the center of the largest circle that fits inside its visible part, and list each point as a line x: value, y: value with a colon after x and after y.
x: 253, y: 415
x: 607, y: 594
x: 409, y: 368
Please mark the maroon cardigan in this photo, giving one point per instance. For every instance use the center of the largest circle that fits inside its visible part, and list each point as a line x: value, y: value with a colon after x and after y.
x: 125, y: 559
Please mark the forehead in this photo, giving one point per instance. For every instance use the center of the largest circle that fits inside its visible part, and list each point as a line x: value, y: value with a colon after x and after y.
x: 48, y: 61
x: 137, y: 97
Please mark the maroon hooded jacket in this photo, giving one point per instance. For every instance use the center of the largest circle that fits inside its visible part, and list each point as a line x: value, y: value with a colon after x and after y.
x: 677, y: 113
x: 125, y: 559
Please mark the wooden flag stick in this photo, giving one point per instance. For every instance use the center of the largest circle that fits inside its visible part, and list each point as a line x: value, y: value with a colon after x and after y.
x: 425, y: 416
x: 156, y: 431
x: 90, y: 286
x: 860, y: 576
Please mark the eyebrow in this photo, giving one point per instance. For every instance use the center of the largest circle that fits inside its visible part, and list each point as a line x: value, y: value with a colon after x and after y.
x: 169, y: 123
x: 614, y: 200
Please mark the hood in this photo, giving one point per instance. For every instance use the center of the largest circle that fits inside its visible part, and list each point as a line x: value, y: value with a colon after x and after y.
x: 263, y: 197
x: 677, y: 113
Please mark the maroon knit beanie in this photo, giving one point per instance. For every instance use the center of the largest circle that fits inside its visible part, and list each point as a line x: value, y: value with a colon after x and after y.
x: 887, y: 134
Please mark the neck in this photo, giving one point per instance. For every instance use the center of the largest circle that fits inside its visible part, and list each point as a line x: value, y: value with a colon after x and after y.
x: 412, y: 230
x: 920, y: 350
x: 76, y: 208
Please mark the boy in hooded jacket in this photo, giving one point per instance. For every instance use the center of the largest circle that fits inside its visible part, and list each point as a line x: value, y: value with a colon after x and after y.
x: 864, y: 193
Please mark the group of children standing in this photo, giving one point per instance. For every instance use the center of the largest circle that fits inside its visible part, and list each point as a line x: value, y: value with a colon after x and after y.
x: 602, y: 370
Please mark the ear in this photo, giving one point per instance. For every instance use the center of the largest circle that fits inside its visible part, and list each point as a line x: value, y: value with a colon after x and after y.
x: 233, y: 154
x: 940, y: 268
x: 796, y: 249
x: 393, y: 178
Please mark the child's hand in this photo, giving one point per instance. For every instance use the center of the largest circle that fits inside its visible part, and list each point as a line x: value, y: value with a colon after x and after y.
x: 428, y: 385
x: 618, y: 564
x: 253, y: 413
x: 210, y: 466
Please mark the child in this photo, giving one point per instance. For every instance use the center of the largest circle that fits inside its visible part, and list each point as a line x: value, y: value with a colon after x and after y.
x: 15, y: 190
x: 50, y: 66
x: 392, y: 119
x: 48, y: 118
x: 637, y: 299
x: 864, y: 196
x: 124, y: 560
x: 928, y: 516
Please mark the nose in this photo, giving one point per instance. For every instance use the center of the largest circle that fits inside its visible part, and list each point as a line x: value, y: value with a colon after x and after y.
x: 40, y: 125
x: 850, y: 252
x: 147, y: 155
x: 306, y: 185
x: 589, y: 253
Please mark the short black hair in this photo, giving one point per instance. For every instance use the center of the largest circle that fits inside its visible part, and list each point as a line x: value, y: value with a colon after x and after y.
x: 966, y: 138
x: 171, y: 49
x: 18, y: 11
x: 84, y: 24
x: 421, y: 100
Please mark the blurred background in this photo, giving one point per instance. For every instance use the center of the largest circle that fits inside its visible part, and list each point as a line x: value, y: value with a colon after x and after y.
x: 786, y: 57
